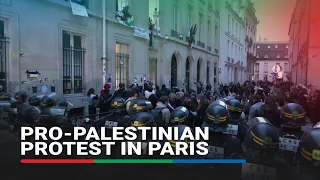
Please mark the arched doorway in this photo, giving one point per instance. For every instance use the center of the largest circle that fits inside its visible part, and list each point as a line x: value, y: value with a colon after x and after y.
x: 198, y: 70
x: 187, y: 78
x: 173, y: 71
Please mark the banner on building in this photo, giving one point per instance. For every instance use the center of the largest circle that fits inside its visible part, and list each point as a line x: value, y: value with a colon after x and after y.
x: 140, y: 32
x: 78, y: 10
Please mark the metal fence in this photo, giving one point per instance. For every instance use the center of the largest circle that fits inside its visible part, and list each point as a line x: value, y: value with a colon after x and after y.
x: 122, y: 69
x: 73, y: 60
x: 4, y: 49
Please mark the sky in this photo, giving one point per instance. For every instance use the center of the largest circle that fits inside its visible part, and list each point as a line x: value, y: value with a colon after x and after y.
x: 274, y: 17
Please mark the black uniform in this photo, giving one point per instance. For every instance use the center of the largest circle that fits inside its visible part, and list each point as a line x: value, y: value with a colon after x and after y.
x: 222, y: 143
x: 260, y: 150
x: 309, y: 155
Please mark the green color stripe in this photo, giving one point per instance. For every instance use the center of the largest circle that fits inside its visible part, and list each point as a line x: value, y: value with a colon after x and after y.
x: 133, y: 161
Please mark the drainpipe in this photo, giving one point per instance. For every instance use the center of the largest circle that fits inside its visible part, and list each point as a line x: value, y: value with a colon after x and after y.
x: 104, y: 62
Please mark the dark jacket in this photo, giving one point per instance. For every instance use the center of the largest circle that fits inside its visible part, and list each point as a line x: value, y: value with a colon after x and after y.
x: 271, y: 113
x: 121, y: 93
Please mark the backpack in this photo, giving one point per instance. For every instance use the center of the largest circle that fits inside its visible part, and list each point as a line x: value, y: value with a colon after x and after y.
x: 158, y: 117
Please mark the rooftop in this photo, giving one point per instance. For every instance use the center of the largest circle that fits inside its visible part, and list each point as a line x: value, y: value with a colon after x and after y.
x: 272, y: 42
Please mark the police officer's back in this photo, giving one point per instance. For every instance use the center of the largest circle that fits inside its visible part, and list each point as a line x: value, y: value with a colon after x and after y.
x: 235, y: 109
x: 260, y: 149
x: 309, y: 155
x: 222, y: 142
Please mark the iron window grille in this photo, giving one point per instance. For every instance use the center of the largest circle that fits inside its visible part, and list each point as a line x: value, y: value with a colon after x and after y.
x: 73, y: 64
x: 122, y: 69
x: 4, y: 42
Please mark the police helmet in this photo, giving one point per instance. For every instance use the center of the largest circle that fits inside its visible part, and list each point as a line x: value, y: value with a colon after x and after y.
x: 219, y: 102
x: 141, y: 119
x: 293, y: 115
x: 177, y: 116
x: 262, y: 136
x: 4, y: 96
x: 181, y: 128
x: 21, y: 96
x: 34, y: 101
x: 234, y: 108
x: 184, y: 109
x: 139, y: 106
x: 310, y: 148
x: 118, y: 105
x: 46, y: 102
x: 216, y: 115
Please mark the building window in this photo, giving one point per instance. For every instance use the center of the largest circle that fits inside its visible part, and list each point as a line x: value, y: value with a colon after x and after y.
x: 80, y: 2
x: 228, y: 22
x: 276, y: 46
x: 189, y: 16
x: 232, y: 26
x: 209, y: 33
x: 258, y: 47
x: 73, y: 63
x: 278, y: 55
x: 175, y: 15
x: 228, y: 50
x: 236, y: 30
x: 265, y: 77
x: 4, y: 57
x: 265, y: 67
x: 122, y: 60
x: 121, y: 4
x: 265, y: 55
x: 286, y: 67
x: 200, y: 26
x: 215, y: 70
x: 256, y: 67
x: 154, y: 12
x: 208, y: 72
x: 153, y: 70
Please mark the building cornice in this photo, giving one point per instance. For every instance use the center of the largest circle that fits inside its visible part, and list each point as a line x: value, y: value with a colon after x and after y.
x: 228, y: 6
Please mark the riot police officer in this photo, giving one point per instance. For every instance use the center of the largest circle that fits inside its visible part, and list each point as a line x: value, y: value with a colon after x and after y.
x: 292, y: 120
x: 260, y: 150
x: 52, y: 115
x: 27, y: 116
x: 34, y: 101
x: 222, y: 143
x: 139, y: 105
x: 19, y: 100
x: 235, y: 109
x: 293, y: 117
x: 117, y: 118
x: 143, y: 119
x: 309, y: 155
x: 219, y: 102
x: 179, y: 116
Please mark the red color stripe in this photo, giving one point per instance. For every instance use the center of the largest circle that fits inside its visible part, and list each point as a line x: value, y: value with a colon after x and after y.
x: 56, y: 161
